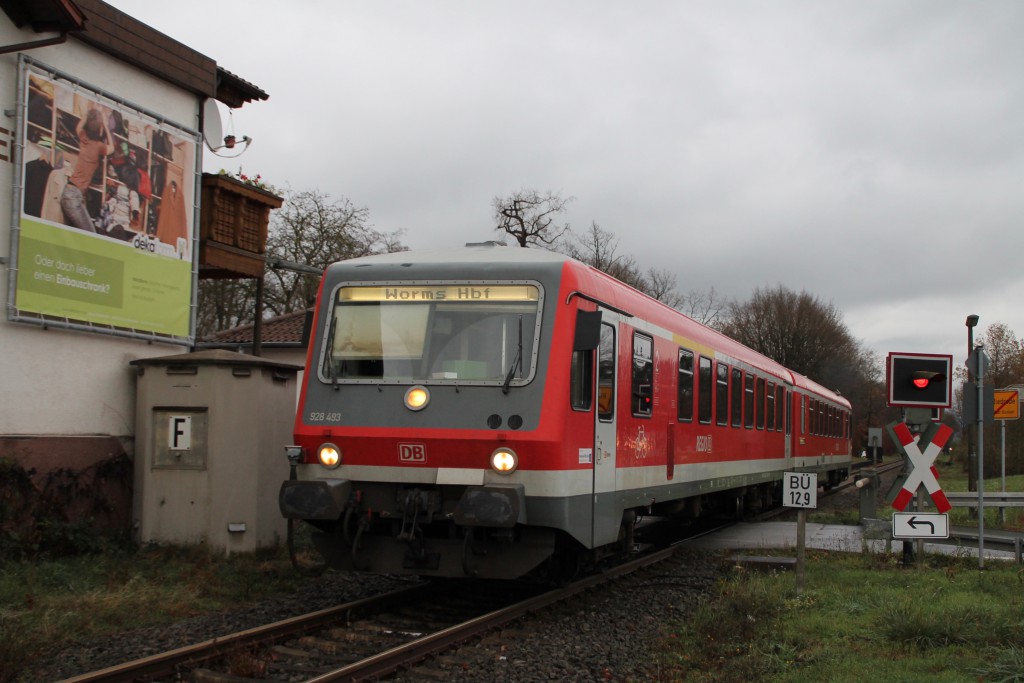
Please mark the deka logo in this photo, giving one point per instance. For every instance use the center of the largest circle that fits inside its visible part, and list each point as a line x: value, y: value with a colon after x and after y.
x: 145, y: 243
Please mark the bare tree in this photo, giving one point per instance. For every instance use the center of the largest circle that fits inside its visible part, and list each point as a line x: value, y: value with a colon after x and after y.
x: 599, y: 248
x: 796, y: 330
x: 531, y: 217
x: 309, y: 230
x: 1006, y: 356
x: 705, y: 306
x: 661, y: 285
x: 313, y: 230
x: 223, y: 304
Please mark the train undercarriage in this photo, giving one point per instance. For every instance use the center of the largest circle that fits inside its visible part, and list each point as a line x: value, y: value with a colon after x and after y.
x: 457, y: 531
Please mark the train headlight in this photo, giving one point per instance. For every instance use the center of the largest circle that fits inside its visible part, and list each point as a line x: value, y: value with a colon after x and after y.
x: 329, y: 455
x: 504, y: 461
x: 417, y: 398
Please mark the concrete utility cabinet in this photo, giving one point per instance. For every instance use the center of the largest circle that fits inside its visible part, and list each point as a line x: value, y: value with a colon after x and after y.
x: 211, y: 427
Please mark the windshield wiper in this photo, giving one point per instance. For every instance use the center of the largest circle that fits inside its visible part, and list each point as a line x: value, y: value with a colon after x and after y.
x: 517, y: 361
x: 332, y: 372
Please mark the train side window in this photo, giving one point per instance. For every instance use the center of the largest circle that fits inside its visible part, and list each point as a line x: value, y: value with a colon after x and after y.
x: 581, y: 380
x: 748, y: 400
x: 737, y: 397
x: 685, y: 389
x: 722, y: 397
x: 759, y: 401
x: 803, y: 414
x: 643, y: 374
x: 769, y: 410
x: 705, y: 388
x: 606, y: 374
x: 780, y: 408
x: 787, y: 396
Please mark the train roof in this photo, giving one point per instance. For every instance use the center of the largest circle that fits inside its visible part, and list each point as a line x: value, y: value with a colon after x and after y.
x: 483, y: 252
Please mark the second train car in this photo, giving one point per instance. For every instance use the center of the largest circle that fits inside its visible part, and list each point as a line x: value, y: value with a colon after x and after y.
x: 494, y: 412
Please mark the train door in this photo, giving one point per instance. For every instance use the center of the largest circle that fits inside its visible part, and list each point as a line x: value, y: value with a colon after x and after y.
x: 606, y: 517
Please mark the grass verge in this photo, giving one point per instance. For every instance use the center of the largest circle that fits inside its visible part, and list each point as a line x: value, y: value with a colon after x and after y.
x: 860, y: 617
x: 52, y: 604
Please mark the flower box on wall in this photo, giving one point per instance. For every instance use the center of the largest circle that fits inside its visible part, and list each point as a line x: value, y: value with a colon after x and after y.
x: 233, y: 223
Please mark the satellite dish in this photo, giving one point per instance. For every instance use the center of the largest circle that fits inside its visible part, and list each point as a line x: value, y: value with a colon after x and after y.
x: 215, y: 137
x: 213, y: 129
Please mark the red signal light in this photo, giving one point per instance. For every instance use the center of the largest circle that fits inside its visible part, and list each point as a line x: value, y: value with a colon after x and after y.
x: 922, y: 378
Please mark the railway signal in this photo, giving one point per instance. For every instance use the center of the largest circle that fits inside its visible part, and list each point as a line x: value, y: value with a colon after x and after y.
x: 919, y: 380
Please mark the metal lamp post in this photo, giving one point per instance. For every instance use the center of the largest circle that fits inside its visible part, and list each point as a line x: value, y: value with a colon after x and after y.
x: 972, y: 479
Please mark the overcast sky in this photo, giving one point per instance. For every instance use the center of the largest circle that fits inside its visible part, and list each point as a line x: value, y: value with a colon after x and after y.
x: 869, y: 152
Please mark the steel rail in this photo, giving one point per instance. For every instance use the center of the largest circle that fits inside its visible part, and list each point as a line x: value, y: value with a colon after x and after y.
x: 416, y: 650
x: 166, y: 663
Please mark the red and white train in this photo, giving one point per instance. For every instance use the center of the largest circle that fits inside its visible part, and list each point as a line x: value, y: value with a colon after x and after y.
x: 494, y: 411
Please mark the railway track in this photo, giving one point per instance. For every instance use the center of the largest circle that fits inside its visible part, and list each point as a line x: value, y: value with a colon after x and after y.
x: 363, y: 640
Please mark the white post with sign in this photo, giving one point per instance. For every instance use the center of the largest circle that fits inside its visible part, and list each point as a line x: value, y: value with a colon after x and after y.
x: 1007, y: 407
x: 800, y: 490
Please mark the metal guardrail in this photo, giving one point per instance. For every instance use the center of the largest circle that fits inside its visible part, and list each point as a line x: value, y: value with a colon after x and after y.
x: 989, y: 499
x: 1010, y: 542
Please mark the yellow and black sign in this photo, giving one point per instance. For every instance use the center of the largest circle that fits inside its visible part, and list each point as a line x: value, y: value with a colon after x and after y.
x: 1007, y: 404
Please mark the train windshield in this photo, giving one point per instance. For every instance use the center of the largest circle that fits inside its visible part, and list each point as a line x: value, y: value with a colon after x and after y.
x: 478, y: 333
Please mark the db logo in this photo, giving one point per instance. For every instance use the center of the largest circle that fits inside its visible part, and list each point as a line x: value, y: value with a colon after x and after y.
x: 412, y: 452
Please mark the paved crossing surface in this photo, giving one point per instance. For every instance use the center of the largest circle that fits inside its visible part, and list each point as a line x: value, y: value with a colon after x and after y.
x: 842, y: 538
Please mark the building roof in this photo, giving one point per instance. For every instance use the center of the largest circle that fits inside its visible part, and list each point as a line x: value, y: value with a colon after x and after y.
x: 110, y: 30
x: 43, y: 16
x: 287, y: 329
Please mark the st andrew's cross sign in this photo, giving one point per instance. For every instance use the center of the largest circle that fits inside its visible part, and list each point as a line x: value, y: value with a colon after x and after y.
x: 922, y: 454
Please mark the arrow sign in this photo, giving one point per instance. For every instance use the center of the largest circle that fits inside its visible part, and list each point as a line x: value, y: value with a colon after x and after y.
x: 920, y: 525
x: 916, y: 522
x: 923, y: 472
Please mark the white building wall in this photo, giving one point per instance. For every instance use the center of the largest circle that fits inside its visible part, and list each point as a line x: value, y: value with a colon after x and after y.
x: 54, y: 381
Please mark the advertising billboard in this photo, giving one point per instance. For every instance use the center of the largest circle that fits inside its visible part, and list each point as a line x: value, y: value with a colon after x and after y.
x: 106, y: 229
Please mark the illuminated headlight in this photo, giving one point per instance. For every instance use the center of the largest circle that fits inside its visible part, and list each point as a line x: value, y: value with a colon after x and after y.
x: 504, y: 461
x: 329, y: 455
x: 417, y: 398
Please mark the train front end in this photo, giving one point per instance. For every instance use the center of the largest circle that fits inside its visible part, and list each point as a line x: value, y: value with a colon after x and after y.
x: 419, y: 432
